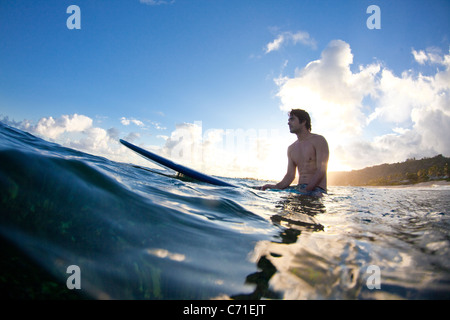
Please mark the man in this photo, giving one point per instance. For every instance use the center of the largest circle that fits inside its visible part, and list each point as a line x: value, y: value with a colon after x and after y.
x: 309, y: 154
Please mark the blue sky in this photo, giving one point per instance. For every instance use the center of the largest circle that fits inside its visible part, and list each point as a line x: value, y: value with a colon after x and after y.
x: 156, y: 71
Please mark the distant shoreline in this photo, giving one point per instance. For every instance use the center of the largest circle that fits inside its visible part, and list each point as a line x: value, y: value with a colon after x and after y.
x: 408, y: 173
x: 427, y: 184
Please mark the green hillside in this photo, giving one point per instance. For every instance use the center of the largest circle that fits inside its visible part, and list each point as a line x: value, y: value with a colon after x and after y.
x: 409, y: 172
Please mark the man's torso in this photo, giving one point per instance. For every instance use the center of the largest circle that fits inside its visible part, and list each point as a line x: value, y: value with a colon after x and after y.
x: 303, y: 154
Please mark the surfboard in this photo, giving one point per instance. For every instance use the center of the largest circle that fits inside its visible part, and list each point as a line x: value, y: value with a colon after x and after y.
x: 188, y: 172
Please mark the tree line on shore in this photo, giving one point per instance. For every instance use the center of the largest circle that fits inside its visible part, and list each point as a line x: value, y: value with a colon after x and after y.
x: 409, y: 172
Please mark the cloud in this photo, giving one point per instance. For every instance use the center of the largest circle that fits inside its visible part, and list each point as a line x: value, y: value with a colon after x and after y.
x: 127, y: 122
x: 431, y: 55
x: 421, y: 101
x: 289, y: 37
x: 420, y: 56
x: 52, y: 128
x: 222, y: 152
x: 132, y: 136
x: 330, y: 91
x: 226, y: 152
x: 77, y: 132
x: 343, y: 103
x: 157, y: 125
x: 275, y: 44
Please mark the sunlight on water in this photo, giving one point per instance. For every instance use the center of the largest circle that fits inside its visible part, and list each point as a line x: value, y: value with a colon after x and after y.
x: 339, y: 237
x: 139, y: 233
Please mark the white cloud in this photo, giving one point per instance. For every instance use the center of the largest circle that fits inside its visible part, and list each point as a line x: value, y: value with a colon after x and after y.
x: 127, y: 122
x: 226, y: 152
x: 431, y: 55
x: 422, y: 101
x: 335, y: 96
x: 162, y: 136
x: 433, y: 124
x: 275, y: 44
x: 52, y: 128
x: 420, y: 56
x: 157, y: 125
x: 132, y: 136
x: 330, y: 91
x: 77, y: 132
x: 230, y: 152
x: 398, y: 96
x: 290, y: 37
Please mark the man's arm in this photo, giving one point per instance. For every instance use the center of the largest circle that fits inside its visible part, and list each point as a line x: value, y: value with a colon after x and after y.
x: 322, y: 155
x: 288, y: 178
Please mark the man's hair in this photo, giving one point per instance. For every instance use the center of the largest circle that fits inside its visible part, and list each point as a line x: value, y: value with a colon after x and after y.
x: 302, y: 115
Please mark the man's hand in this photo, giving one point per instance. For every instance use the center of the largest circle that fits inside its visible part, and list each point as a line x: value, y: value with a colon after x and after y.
x: 268, y: 186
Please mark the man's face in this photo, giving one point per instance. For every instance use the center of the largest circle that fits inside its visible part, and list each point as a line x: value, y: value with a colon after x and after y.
x: 294, y: 124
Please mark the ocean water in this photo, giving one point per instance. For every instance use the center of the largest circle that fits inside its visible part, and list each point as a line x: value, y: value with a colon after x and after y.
x: 140, y: 233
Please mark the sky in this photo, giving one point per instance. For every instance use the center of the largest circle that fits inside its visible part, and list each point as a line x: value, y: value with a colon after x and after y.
x: 209, y: 83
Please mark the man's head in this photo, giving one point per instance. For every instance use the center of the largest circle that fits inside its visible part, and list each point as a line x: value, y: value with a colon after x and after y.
x: 302, y: 116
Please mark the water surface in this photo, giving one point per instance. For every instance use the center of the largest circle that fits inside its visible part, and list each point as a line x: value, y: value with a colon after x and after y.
x: 140, y: 233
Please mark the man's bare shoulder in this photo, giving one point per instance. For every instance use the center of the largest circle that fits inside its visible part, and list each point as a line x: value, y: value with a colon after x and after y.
x: 293, y: 145
x: 318, y: 138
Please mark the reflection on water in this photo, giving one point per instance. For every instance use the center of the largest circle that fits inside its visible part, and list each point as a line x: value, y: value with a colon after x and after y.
x: 328, y: 248
x: 295, y: 215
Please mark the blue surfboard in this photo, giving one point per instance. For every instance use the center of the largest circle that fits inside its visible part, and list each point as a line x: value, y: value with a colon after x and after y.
x: 188, y: 172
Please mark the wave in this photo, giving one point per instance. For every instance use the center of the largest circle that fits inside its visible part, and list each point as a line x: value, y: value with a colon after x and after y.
x: 120, y: 223
x: 140, y: 233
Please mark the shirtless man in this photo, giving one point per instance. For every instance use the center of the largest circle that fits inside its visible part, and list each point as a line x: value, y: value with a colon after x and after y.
x: 309, y: 154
